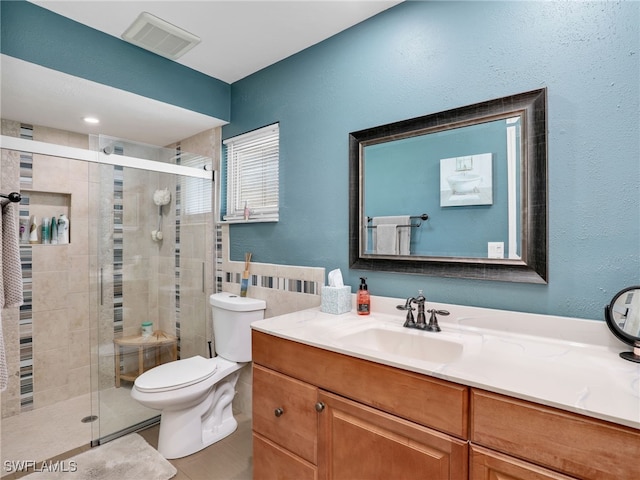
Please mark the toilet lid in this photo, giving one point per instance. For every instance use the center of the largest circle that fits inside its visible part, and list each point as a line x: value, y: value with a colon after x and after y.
x: 178, y: 374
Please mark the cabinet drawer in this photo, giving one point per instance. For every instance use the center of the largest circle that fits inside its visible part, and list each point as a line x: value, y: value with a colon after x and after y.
x: 272, y: 462
x: 428, y: 401
x: 488, y: 465
x: 576, y: 445
x: 284, y: 412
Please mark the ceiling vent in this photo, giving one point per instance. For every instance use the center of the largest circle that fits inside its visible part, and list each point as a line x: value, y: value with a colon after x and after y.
x: 154, y: 34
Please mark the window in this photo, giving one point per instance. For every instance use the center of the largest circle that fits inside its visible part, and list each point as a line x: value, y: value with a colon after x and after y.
x: 197, y: 191
x: 252, y: 175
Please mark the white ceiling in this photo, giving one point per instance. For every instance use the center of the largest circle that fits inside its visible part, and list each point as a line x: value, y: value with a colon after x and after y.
x: 239, y: 37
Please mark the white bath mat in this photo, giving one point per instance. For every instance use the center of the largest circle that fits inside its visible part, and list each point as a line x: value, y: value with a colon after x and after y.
x: 129, y: 457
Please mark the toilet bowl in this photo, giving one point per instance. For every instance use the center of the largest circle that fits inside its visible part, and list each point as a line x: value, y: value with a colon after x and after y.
x: 195, y: 394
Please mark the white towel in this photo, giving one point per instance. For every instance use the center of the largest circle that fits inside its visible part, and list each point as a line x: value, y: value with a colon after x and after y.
x: 402, y: 234
x: 10, y: 274
x: 387, y: 239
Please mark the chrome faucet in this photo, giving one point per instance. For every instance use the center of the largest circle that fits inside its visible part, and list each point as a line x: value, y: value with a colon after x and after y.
x: 421, y: 323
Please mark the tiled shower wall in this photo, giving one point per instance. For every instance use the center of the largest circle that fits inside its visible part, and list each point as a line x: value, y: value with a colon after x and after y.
x: 48, y: 348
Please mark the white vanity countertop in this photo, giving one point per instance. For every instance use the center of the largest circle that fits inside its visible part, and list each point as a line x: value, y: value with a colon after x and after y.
x: 568, y: 363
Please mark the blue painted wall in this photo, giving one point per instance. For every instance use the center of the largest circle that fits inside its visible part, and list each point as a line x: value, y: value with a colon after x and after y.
x: 423, y: 57
x: 414, y: 59
x: 39, y: 36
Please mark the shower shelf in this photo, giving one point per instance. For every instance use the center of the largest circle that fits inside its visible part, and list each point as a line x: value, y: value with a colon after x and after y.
x: 42, y: 204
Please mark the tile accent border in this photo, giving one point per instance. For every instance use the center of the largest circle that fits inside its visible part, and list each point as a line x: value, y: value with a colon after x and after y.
x: 286, y: 288
x: 277, y: 283
x: 26, y: 159
x: 26, y: 258
x: 26, y: 328
x: 178, y: 214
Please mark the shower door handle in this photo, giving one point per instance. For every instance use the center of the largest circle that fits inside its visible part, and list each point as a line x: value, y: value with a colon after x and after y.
x: 100, y: 281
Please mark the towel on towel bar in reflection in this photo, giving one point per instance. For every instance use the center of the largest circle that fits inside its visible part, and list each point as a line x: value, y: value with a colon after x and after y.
x: 391, y: 236
x: 10, y: 274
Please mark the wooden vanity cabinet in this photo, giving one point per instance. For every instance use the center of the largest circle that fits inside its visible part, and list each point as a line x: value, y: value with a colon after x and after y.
x: 575, y: 445
x: 323, y: 415
x: 320, y: 414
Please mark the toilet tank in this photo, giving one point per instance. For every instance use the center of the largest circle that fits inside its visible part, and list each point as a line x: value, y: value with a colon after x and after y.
x: 232, y: 318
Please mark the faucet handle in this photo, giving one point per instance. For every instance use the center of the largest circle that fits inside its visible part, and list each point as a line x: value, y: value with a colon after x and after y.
x: 407, y: 305
x: 433, y: 320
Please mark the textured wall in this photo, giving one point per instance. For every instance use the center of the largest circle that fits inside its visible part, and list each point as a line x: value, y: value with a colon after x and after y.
x: 424, y: 57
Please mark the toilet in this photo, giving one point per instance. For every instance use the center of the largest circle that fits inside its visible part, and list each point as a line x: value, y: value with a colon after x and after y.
x: 195, y: 394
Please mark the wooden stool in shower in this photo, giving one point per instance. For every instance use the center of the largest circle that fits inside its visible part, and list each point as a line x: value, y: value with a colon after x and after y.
x: 155, y: 341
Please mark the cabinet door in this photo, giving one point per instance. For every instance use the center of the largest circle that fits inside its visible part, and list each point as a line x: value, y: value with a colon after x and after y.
x: 284, y: 412
x: 270, y: 461
x: 359, y: 442
x: 488, y: 465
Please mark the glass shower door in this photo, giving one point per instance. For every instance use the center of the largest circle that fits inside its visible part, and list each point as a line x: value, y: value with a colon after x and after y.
x: 154, y: 234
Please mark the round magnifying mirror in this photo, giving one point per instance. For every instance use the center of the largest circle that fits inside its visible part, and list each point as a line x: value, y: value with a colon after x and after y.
x: 623, y: 318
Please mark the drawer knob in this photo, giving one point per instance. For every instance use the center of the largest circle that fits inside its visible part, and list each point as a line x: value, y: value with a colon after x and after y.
x: 319, y: 407
x: 278, y: 412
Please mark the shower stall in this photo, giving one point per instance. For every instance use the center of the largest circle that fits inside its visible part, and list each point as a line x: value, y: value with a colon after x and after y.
x: 140, y: 251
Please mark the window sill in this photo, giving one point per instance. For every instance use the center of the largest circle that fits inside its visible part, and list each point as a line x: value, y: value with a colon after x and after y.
x: 257, y: 219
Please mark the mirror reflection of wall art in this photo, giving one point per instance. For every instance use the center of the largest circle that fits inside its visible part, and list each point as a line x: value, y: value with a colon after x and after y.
x: 466, y: 180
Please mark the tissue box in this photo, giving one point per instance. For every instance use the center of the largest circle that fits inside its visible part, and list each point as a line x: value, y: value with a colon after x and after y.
x: 336, y: 300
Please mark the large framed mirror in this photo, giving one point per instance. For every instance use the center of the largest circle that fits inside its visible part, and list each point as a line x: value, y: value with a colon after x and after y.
x: 460, y: 193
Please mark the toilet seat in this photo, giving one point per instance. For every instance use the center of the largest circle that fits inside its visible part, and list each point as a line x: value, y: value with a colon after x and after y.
x: 175, y: 375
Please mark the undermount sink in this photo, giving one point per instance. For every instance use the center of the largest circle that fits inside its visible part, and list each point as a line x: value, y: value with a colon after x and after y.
x: 418, y: 345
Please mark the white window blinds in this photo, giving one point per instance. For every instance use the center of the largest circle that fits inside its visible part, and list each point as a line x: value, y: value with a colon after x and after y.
x: 252, y: 175
x: 196, y: 192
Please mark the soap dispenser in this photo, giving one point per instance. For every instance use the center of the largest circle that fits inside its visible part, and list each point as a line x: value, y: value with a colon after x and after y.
x: 364, y: 300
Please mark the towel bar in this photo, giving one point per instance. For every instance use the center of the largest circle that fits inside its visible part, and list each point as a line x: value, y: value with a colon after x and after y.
x: 13, y: 197
x: 422, y: 217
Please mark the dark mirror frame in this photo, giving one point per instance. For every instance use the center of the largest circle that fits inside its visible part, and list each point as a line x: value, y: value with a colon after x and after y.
x: 533, y: 265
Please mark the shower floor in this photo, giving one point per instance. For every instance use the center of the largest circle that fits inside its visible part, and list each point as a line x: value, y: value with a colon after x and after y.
x: 46, y: 432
